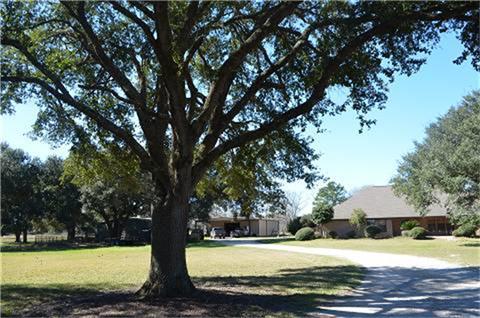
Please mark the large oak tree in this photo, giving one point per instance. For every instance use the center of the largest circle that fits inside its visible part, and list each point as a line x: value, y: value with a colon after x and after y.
x: 445, y: 167
x: 184, y: 83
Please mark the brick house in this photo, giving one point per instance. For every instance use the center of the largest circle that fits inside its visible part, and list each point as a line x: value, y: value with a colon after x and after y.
x: 386, y: 210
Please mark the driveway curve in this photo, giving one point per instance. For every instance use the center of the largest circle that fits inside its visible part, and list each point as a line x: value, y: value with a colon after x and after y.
x: 397, y: 285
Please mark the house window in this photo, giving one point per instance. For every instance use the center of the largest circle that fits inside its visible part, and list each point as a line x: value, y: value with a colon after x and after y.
x: 432, y: 228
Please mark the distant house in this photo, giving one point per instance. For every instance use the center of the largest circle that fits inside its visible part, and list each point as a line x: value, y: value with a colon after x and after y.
x: 386, y: 210
x: 258, y: 227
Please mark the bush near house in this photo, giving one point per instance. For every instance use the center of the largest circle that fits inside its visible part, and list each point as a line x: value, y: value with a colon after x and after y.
x: 465, y: 230
x: 371, y: 231
x: 358, y: 220
x: 409, y: 224
x: 305, y: 234
x: 294, y: 225
x: 405, y: 233
x: 418, y: 233
x: 332, y: 234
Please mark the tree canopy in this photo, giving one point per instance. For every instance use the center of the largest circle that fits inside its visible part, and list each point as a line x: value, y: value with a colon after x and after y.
x: 60, y: 197
x: 21, y: 194
x: 112, y: 186
x: 327, y: 197
x: 445, y: 167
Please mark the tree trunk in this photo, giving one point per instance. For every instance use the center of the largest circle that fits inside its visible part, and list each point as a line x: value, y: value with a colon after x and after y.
x: 168, y: 276
x: 18, y: 233
x: 25, y: 236
x: 71, y: 233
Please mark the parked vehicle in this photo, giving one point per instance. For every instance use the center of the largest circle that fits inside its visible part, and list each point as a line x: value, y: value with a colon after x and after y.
x: 237, y: 233
x: 217, y: 232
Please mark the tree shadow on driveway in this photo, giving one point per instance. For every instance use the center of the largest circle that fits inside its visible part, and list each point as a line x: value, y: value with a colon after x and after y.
x: 403, y: 292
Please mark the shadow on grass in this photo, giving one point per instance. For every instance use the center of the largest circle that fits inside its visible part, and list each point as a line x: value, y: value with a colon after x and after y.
x: 57, y: 246
x: 206, y: 244
x: 294, y: 292
x: 475, y: 244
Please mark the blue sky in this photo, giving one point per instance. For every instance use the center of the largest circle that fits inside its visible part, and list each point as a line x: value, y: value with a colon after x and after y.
x: 348, y: 157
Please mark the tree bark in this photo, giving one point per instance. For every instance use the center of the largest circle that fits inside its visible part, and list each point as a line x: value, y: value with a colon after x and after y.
x: 71, y: 233
x: 18, y: 233
x: 25, y: 233
x: 168, y: 276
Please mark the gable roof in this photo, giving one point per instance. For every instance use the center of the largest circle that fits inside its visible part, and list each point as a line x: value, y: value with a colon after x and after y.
x: 381, y: 202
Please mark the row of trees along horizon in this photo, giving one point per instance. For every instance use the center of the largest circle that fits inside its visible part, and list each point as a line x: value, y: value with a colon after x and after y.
x: 191, y: 88
x: 93, y: 186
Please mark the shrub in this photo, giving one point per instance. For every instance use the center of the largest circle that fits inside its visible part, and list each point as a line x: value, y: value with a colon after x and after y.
x: 372, y: 230
x: 465, y: 230
x: 358, y: 219
x: 418, y: 233
x: 405, y: 233
x: 408, y: 225
x: 294, y: 225
x: 332, y: 234
x: 305, y: 234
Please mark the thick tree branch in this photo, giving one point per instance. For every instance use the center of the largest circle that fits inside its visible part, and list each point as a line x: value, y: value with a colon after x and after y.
x: 170, y: 73
x: 100, y: 54
x: 94, y: 115
x: 319, y: 88
x: 219, y: 90
x: 258, y: 83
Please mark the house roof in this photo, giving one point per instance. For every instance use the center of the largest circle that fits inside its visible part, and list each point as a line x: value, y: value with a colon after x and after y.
x: 381, y: 202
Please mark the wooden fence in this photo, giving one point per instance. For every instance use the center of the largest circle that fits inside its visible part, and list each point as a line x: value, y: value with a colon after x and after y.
x: 50, y: 238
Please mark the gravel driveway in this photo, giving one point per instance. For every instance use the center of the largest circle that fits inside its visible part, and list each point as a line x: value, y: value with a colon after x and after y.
x: 398, y: 285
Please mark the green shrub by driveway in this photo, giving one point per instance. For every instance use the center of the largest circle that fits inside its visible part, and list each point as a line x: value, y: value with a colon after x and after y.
x: 418, y: 233
x: 305, y: 234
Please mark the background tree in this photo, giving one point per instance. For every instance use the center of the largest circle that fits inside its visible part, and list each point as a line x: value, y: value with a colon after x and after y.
x: 183, y: 83
x: 21, y: 196
x: 294, y: 225
x: 60, y: 197
x: 307, y: 221
x: 112, y: 186
x: 446, y: 163
x: 327, y: 197
x: 245, y: 181
x: 293, y: 205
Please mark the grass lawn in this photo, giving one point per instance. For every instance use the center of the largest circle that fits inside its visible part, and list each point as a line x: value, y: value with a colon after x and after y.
x: 465, y: 251
x: 232, y: 281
